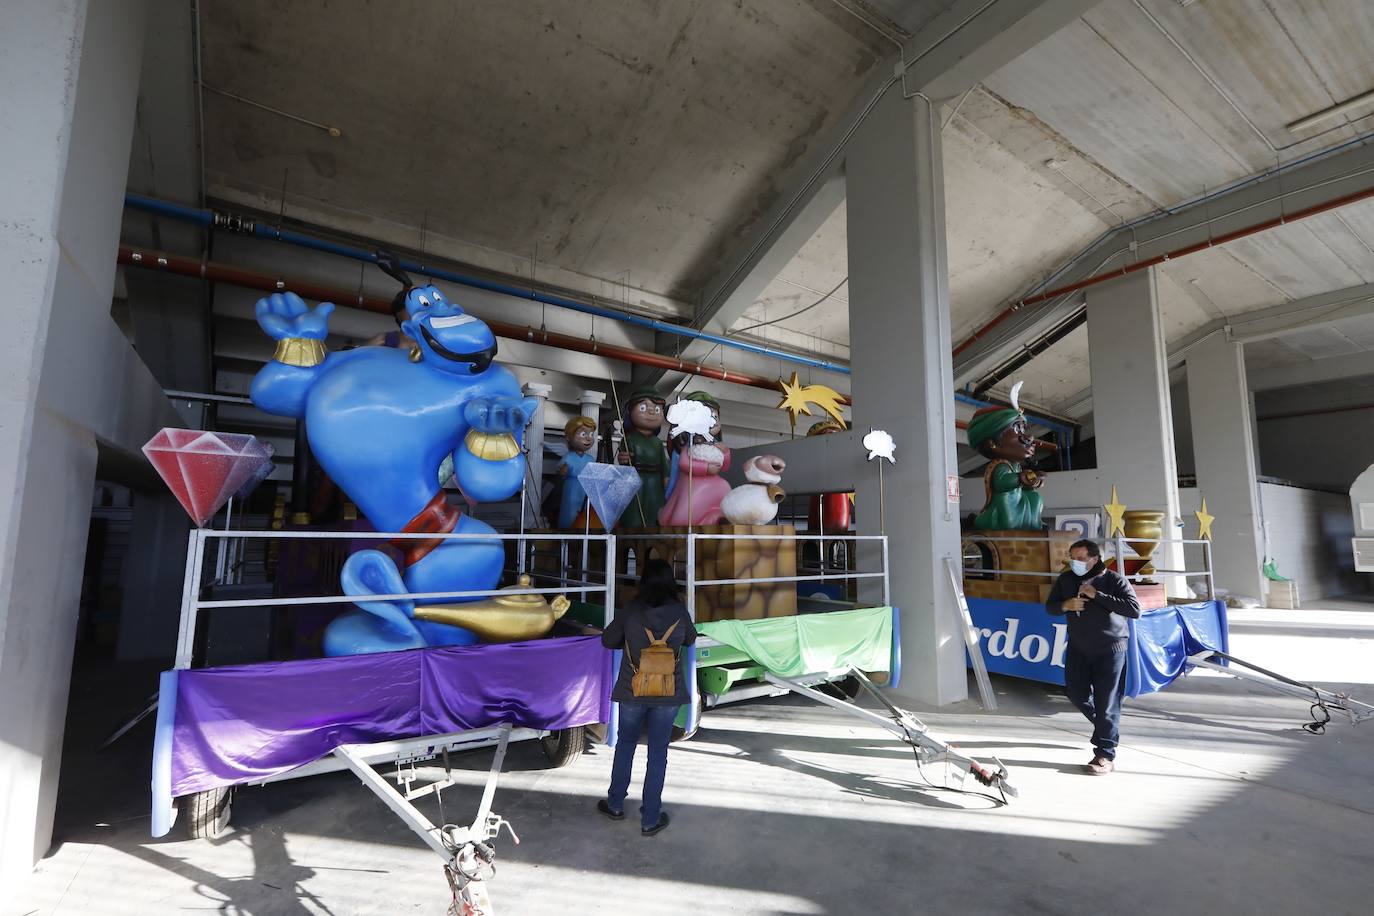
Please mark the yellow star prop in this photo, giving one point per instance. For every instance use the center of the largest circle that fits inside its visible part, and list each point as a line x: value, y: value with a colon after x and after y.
x: 797, y: 398
x: 1116, y: 514
x: 793, y: 398
x: 1204, y: 521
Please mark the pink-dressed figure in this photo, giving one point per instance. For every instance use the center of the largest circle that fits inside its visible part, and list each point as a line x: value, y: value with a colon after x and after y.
x: 698, y: 489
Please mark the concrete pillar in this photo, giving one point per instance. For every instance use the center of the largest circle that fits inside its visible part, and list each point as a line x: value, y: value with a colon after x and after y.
x: 69, y: 73
x: 1224, y: 454
x: 534, y: 454
x: 1132, y: 416
x: 903, y: 379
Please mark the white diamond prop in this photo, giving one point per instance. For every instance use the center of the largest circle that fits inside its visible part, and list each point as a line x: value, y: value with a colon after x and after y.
x: 610, y: 487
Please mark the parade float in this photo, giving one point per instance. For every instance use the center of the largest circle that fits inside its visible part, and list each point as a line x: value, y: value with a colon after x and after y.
x: 433, y: 656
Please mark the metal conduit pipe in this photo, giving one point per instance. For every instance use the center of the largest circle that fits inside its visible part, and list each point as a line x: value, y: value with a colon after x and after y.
x: 1254, y: 229
x: 1027, y: 353
x: 223, y: 273
x: 235, y: 223
x: 235, y: 276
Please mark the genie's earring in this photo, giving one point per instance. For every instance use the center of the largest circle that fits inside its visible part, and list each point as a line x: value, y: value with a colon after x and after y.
x: 415, y: 354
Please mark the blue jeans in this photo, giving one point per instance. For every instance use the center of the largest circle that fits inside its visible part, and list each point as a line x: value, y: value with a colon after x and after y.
x: 634, y: 718
x: 1094, y: 683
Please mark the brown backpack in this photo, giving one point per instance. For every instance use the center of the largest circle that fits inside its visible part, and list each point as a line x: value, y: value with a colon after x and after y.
x: 656, y: 674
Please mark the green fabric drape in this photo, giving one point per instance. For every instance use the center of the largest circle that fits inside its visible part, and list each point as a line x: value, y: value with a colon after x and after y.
x: 811, y: 643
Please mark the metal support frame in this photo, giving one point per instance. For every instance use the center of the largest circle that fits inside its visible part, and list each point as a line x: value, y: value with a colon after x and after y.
x: 1355, y: 710
x: 466, y: 851
x: 900, y: 722
x: 971, y: 641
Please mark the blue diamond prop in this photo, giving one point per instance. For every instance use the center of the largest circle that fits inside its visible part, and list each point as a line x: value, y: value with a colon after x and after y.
x: 610, y: 487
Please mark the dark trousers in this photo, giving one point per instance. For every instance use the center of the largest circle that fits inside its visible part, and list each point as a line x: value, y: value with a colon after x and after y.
x: 1094, y: 683
x: 658, y: 722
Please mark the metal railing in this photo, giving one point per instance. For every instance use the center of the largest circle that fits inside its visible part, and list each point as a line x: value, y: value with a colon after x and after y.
x: 1119, y: 543
x: 197, y: 548
x: 230, y: 542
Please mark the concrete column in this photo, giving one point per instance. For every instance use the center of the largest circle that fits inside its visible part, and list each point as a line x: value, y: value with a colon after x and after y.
x: 1224, y: 454
x: 69, y: 72
x: 534, y: 454
x: 903, y: 378
x: 1132, y: 416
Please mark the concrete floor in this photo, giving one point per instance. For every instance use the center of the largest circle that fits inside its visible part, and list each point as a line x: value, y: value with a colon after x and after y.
x: 1221, y: 803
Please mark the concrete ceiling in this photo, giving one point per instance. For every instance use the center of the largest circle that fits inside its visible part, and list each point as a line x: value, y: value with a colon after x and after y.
x: 622, y: 149
x: 606, y: 145
x: 1133, y: 108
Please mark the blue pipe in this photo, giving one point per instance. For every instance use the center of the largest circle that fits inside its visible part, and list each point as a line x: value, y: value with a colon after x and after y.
x: 207, y: 218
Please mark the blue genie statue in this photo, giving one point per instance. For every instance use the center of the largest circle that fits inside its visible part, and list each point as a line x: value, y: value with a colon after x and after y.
x: 380, y: 422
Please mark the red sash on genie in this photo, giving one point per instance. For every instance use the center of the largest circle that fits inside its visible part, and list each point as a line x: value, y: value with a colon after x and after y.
x: 437, y: 517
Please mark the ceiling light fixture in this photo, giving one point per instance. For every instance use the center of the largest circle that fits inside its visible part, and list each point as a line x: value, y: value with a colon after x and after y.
x: 1358, y: 101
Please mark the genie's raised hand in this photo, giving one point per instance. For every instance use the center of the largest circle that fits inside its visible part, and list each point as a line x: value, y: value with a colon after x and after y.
x: 500, y: 414
x: 285, y: 315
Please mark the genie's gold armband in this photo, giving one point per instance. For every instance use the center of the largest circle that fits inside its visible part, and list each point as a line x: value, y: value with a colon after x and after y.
x: 299, y: 351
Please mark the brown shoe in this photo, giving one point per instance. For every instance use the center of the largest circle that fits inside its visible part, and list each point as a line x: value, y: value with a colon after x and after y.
x: 1101, y: 766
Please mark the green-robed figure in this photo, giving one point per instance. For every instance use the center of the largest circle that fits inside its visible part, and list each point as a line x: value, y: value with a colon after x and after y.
x: 1013, y: 498
x: 644, y: 450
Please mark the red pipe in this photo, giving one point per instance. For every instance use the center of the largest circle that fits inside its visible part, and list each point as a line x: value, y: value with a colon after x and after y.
x: 1160, y: 259
x: 223, y: 273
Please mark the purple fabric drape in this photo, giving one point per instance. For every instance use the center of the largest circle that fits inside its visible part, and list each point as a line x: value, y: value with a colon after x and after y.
x: 244, y: 723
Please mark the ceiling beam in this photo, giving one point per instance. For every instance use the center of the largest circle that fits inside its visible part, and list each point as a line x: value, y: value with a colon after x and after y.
x: 963, y: 45
x: 1331, y: 369
x: 1304, y: 314
x: 1312, y: 182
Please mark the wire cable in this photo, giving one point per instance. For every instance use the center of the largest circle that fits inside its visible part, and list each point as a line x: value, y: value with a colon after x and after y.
x: 762, y: 324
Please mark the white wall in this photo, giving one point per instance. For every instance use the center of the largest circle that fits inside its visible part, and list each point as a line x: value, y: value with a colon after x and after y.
x: 1309, y: 537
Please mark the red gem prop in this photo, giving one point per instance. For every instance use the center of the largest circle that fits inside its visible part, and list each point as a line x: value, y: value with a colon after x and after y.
x: 203, y: 469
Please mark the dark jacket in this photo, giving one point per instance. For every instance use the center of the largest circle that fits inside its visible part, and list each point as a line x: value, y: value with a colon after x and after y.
x: 1101, y: 625
x: 626, y: 632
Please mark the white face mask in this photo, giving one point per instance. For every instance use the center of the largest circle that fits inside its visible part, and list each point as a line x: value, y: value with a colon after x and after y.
x: 1079, y: 567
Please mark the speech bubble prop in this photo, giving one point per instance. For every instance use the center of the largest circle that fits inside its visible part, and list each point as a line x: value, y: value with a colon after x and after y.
x: 691, y: 417
x: 880, y: 445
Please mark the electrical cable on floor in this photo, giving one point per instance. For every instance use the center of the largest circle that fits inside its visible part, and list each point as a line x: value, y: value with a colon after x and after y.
x: 1318, y: 724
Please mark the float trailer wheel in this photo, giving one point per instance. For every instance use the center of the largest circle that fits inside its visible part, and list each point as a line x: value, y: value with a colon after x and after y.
x: 207, y: 813
x: 564, y: 746
x: 682, y: 734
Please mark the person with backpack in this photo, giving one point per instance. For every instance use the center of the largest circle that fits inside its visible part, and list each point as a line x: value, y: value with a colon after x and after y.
x: 652, y: 629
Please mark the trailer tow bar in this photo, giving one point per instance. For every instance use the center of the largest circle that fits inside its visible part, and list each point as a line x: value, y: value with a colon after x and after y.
x: 901, y: 723
x: 467, y: 851
x: 1322, y: 700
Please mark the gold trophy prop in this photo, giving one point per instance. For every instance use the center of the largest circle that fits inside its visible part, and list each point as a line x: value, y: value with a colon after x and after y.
x: 1143, y: 523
